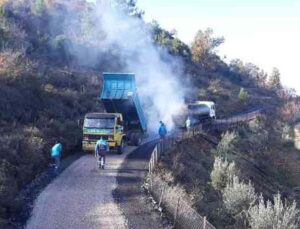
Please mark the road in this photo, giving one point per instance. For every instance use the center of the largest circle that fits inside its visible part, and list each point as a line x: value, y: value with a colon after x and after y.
x: 85, y: 197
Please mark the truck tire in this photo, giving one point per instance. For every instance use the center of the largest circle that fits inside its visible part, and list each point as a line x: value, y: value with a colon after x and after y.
x: 132, y: 139
x: 121, y: 147
x: 137, y: 139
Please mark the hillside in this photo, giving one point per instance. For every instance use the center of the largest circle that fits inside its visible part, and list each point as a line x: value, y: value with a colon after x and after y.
x: 52, y: 54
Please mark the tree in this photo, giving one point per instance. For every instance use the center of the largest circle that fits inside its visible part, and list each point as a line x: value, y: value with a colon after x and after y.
x: 38, y: 7
x: 262, y: 78
x: 129, y: 7
x: 204, y: 45
x: 169, y: 41
x: 274, y: 79
x: 243, y: 95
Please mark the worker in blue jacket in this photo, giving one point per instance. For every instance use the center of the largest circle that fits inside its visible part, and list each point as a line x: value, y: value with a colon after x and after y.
x: 56, y: 153
x: 162, y: 131
x: 101, y: 149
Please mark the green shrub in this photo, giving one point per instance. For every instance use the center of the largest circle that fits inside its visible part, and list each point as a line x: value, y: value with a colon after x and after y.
x: 238, y: 196
x: 255, y: 125
x: 226, y: 145
x: 243, y: 95
x: 287, y: 133
x: 276, y: 216
x: 222, y: 172
x: 38, y: 7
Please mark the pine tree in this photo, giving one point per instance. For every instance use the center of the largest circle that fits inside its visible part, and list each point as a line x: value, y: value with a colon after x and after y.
x: 274, y: 80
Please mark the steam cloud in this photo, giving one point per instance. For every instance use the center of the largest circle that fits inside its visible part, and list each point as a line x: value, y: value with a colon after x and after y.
x: 157, y: 73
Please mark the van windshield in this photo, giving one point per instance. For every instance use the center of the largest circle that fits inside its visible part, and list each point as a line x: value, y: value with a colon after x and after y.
x: 197, y: 106
x: 105, y: 123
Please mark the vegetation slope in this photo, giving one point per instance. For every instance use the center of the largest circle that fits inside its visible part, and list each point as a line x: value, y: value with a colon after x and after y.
x: 45, y: 88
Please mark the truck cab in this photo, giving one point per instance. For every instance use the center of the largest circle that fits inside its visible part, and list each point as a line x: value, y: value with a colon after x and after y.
x: 125, y: 119
x: 202, y: 109
x: 109, y: 126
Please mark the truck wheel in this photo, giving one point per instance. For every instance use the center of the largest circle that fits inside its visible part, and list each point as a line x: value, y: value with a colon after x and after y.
x: 132, y: 139
x: 137, y: 139
x: 121, y: 147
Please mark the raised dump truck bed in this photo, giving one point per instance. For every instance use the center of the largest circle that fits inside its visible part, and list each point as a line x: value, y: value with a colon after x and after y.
x: 119, y: 95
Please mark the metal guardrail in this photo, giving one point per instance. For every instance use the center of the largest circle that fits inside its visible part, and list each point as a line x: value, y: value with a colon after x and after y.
x: 184, y: 215
x: 234, y: 121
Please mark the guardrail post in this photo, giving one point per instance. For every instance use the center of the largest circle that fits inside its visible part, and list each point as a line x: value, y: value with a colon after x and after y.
x: 161, y: 196
x: 151, y: 183
x: 176, y: 211
x: 158, y: 147
x: 153, y: 163
x: 204, y: 223
x: 156, y: 155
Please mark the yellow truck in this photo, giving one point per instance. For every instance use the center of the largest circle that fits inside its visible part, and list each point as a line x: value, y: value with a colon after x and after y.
x: 125, y: 120
x: 105, y: 125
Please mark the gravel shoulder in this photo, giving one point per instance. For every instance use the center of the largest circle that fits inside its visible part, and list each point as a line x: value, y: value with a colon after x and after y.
x: 81, y: 197
x: 130, y: 195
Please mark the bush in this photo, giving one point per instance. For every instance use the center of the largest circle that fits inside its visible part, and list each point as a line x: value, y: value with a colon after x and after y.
x: 226, y: 145
x: 38, y: 7
x: 243, y: 95
x: 222, y: 172
x: 255, y: 125
x: 238, y: 196
x: 276, y: 216
x: 287, y: 133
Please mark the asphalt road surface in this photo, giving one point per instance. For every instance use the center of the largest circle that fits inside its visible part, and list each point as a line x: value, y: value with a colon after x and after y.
x: 85, y: 197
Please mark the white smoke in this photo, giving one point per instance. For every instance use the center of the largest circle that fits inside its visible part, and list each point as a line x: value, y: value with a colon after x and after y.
x: 157, y: 73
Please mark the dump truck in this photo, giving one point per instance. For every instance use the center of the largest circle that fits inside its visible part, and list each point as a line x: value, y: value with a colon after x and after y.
x: 124, y: 120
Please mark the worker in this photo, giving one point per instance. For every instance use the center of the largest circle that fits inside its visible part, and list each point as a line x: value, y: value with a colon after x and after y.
x: 56, y: 153
x: 188, y: 125
x: 101, y: 149
x: 162, y: 131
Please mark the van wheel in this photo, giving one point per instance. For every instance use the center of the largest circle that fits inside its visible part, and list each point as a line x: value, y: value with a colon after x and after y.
x: 121, y: 147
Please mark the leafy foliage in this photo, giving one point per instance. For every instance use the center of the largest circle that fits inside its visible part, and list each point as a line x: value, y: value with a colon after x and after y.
x: 223, y: 171
x: 247, y: 74
x: 169, y: 41
x: 203, y: 46
x: 243, y: 95
x: 287, y: 133
x: 275, y: 215
x: 238, y: 196
x: 274, y: 79
x: 226, y: 144
x: 38, y: 7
